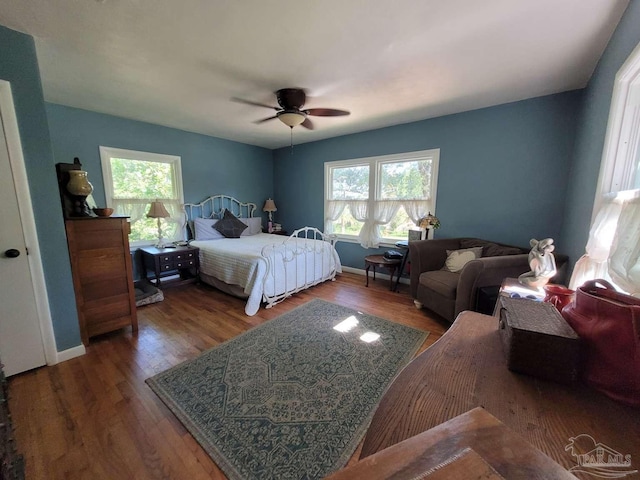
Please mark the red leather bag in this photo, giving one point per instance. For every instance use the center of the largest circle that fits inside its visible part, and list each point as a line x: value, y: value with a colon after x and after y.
x: 608, y: 324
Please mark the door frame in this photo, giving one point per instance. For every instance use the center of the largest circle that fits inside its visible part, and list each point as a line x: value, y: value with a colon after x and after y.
x: 16, y: 161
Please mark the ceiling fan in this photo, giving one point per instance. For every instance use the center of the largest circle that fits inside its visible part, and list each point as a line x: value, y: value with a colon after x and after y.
x: 291, y: 101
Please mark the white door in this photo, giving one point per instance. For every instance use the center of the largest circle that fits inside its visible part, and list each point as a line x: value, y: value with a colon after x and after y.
x: 21, y: 345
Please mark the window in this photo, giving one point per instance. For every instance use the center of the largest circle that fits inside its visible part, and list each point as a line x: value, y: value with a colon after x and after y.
x: 132, y: 180
x: 378, y: 199
x: 613, y: 248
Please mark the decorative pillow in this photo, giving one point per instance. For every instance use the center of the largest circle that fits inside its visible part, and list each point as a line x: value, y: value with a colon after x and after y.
x: 457, y: 259
x: 230, y: 226
x: 472, y: 242
x: 204, y: 230
x: 490, y: 249
x: 495, y: 250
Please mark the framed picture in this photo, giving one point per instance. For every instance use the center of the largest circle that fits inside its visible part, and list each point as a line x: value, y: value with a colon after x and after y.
x: 417, y: 234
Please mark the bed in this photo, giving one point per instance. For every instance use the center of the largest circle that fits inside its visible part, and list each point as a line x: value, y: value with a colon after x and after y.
x: 259, y: 267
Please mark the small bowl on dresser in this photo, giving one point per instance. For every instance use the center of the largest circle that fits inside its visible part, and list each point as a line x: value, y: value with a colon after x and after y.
x: 103, y: 212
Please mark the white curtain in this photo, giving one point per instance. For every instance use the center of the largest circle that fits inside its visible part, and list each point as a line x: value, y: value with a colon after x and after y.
x: 359, y: 210
x: 624, y: 262
x: 383, y: 213
x: 333, y: 211
x: 613, y: 249
x: 136, y: 209
x: 416, y: 209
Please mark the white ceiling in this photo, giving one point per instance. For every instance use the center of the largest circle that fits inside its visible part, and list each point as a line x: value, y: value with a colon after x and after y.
x: 178, y: 63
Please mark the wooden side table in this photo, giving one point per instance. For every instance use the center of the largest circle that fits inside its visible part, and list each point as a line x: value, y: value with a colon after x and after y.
x: 379, y: 261
x: 467, y: 368
x: 472, y: 445
x: 163, y: 260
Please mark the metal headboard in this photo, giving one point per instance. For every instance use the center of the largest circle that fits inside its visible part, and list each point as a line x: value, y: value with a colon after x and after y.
x: 215, y: 205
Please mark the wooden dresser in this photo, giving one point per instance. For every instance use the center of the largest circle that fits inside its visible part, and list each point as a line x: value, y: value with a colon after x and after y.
x: 102, y: 274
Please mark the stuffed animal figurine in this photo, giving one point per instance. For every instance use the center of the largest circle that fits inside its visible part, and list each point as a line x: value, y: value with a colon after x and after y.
x: 542, y: 263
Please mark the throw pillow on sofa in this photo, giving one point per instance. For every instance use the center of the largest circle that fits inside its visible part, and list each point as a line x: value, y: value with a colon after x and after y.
x: 490, y: 249
x: 457, y: 259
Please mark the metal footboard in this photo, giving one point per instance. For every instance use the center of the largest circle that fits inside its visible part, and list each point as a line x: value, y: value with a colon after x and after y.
x: 303, y: 260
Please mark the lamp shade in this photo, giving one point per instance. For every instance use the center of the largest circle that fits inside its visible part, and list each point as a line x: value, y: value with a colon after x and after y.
x: 269, y: 206
x: 291, y: 119
x: 157, y: 210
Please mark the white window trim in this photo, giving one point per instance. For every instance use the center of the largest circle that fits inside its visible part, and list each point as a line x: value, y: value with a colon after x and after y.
x: 612, y: 247
x: 106, y: 153
x: 374, y: 174
x: 619, y: 154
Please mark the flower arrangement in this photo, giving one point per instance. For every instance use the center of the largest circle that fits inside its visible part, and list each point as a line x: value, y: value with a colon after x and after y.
x: 430, y: 221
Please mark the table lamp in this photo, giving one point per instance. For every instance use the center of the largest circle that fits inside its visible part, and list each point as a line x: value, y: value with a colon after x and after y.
x: 270, y: 206
x: 158, y: 210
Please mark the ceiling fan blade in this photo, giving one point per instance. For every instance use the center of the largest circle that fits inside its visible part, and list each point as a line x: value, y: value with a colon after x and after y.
x: 255, y: 104
x: 326, y: 112
x: 308, y: 124
x: 265, y: 119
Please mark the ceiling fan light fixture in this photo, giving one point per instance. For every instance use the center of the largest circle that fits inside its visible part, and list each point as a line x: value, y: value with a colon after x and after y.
x: 292, y: 119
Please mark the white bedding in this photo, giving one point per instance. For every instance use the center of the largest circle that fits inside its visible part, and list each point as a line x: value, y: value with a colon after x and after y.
x: 266, y: 265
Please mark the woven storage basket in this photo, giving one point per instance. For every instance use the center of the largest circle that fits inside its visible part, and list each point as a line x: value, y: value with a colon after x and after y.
x: 538, y: 341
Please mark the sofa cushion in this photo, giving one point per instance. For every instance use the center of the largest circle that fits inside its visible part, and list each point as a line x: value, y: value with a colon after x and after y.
x: 490, y: 249
x: 457, y: 259
x: 440, y: 281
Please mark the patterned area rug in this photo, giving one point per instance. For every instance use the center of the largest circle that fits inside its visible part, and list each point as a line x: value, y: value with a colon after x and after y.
x: 293, y: 397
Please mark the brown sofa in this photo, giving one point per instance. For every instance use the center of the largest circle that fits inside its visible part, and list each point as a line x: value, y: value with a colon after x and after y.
x: 447, y: 293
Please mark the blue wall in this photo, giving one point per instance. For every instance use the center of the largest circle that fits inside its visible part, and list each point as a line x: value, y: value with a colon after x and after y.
x: 592, y: 127
x: 18, y: 65
x: 209, y: 165
x: 502, y: 175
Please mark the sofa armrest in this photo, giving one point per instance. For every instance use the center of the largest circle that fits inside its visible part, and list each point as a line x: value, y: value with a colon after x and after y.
x: 496, y: 269
x: 427, y: 255
x: 487, y: 271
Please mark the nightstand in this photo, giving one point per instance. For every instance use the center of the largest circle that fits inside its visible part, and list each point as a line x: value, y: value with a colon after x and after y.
x: 169, y: 261
x: 280, y: 232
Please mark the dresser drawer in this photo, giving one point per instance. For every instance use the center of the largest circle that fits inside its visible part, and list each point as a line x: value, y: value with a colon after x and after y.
x: 185, y: 263
x: 166, y: 259
x: 182, y: 256
x: 165, y: 267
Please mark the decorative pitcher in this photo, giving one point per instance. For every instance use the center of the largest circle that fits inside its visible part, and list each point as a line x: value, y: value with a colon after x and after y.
x: 78, y: 184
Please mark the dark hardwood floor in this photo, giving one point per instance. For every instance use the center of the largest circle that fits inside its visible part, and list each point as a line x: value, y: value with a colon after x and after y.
x: 94, y: 417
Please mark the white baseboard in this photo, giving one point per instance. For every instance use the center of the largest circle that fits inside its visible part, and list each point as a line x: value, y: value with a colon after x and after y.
x: 70, y: 353
x: 357, y: 271
x: 384, y: 276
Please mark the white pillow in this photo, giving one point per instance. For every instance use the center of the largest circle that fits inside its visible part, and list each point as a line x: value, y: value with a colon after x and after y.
x: 254, y: 224
x: 457, y: 259
x: 204, y: 229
